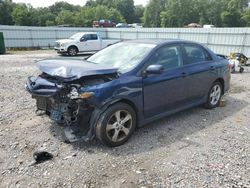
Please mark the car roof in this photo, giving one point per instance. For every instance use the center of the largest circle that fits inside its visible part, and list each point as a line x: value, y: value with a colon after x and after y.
x: 160, y: 41
x: 87, y: 33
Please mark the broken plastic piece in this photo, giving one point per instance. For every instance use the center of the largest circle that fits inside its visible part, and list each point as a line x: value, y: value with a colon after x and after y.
x: 42, y: 156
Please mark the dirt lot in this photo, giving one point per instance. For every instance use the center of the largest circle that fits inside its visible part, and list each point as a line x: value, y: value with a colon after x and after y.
x: 194, y: 148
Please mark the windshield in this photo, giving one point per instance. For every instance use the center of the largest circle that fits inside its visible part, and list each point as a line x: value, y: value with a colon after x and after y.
x: 124, y: 56
x: 76, y: 36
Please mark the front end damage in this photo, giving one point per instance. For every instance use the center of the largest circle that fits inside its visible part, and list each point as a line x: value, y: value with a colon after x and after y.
x: 67, y: 101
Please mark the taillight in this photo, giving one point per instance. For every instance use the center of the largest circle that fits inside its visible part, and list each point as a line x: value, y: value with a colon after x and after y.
x: 230, y: 66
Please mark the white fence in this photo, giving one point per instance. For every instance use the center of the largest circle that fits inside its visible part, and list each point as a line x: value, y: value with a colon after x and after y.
x: 220, y: 40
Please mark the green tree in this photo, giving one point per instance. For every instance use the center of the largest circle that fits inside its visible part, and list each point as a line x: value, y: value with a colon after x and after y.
x: 115, y: 16
x: 84, y: 17
x: 103, y: 12
x: 65, y: 17
x: 59, y: 6
x: 40, y: 16
x: 6, y: 7
x: 108, y: 3
x: 246, y: 17
x: 151, y: 16
x: 87, y: 15
x: 231, y: 16
x: 165, y: 13
x: 127, y: 9
x: 20, y: 14
x: 214, y: 9
x: 45, y: 17
x: 139, y: 10
x: 180, y: 12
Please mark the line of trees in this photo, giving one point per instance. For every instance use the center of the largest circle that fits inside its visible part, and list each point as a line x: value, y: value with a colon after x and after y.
x: 177, y: 13
x: 158, y: 13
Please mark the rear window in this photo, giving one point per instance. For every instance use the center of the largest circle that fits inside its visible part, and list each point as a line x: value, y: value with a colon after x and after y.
x: 90, y: 37
x: 93, y: 37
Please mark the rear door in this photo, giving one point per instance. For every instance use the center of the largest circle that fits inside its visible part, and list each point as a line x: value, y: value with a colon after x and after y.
x: 200, y: 69
x: 166, y: 91
x: 94, y: 42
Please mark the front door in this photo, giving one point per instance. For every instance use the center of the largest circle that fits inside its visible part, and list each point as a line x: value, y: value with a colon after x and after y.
x: 89, y: 42
x: 166, y: 91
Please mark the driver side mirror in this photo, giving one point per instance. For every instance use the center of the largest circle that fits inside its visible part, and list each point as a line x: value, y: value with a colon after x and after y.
x: 83, y: 39
x: 154, y: 69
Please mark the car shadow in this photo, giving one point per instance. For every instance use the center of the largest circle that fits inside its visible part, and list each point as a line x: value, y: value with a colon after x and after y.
x: 166, y: 131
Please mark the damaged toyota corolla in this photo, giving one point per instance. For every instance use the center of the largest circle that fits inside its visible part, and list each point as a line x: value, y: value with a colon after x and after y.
x: 127, y: 85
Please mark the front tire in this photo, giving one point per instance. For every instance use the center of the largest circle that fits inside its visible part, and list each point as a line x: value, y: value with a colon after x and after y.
x: 116, y: 125
x: 72, y: 51
x: 214, y: 95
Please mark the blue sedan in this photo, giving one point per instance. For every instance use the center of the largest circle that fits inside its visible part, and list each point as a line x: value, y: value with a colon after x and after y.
x: 127, y: 85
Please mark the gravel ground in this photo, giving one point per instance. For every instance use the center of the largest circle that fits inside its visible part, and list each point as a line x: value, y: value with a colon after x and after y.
x: 194, y: 148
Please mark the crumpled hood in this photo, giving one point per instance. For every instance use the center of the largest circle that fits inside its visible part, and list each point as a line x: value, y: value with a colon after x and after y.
x: 72, y: 69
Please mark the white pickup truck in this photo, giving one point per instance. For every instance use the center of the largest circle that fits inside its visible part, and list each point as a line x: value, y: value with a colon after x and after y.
x: 82, y: 42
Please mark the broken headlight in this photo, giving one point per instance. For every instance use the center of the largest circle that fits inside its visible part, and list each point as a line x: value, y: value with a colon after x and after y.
x: 75, y: 95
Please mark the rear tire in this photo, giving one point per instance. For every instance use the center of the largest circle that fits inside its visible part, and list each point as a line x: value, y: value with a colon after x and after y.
x: 214, y: 95
x: 116, y: 125
x: 72, y: 51
x: 241, y: 69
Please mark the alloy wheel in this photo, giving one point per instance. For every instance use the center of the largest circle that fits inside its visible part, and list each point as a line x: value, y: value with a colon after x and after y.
x: 72, y: 51
x: 119, y: 125
x: 215, y: 94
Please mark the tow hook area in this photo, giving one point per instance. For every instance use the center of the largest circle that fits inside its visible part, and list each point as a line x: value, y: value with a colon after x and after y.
x: 74, y: 133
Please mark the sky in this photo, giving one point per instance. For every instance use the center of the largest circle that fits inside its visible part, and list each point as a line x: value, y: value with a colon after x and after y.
x: 46, y: 3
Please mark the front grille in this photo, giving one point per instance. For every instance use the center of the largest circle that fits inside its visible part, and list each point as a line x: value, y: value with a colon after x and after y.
x: 57, y: 44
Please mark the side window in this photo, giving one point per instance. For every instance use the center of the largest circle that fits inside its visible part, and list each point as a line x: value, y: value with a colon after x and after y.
x: 195, y: 54
x: 168, y: 56
x: 93, y: 37
x: 86, y: 37
x: 89, y: 37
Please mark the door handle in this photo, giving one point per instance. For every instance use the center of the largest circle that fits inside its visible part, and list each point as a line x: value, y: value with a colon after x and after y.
x: 212, y: 68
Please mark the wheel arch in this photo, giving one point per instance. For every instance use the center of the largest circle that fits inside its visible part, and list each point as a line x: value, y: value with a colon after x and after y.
x: 222, y: 82
x: 72, y: 45
x: 128, y: 102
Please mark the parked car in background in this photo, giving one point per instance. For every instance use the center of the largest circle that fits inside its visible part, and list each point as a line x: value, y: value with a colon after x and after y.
x: 208, y: 26
x: 82, y: 42
x: 121, y: 25
x: 127, y: 85
x: 104, y: 23
x: 193, y: 25
x: 136, y: 25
